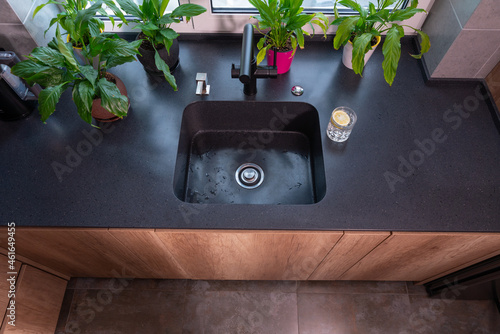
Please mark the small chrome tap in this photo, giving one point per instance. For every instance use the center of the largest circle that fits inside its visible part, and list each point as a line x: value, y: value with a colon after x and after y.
x: 201, y: 84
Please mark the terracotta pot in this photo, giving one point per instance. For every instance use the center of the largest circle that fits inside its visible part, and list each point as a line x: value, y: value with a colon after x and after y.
x: 347, y: 53
x: 147, y: 57
x: 99, y: 113
x: 283, y: 60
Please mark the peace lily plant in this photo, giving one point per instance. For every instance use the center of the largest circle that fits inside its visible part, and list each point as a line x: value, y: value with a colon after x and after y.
x: 281, y: 22
x: 155, y: 23
x: 55, y: 68
x: 383, y: 17
x: 79, y: 18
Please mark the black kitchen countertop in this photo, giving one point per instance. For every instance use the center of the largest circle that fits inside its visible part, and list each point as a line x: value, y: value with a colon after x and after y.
x: 125, y: 177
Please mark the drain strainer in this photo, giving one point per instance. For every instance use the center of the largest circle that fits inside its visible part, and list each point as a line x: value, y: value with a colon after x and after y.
x: 249, y: 176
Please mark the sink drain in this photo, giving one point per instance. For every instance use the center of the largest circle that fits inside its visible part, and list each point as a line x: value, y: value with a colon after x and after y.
x: 249, y: 176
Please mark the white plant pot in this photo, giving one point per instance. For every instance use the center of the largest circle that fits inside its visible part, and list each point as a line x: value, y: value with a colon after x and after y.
x: 347, y: 54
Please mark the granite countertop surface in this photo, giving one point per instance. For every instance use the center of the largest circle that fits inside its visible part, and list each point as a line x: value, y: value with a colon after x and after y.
x: 423, y: 156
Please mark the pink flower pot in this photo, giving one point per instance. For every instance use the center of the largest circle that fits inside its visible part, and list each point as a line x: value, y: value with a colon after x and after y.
x: 283, y: 60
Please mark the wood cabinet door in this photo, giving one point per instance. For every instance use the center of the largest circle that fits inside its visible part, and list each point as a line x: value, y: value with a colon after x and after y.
x: 38, y: 301
x: 350, y: 249
x: 419, y: 256
x: 92, y: 252
x: 248, y: 255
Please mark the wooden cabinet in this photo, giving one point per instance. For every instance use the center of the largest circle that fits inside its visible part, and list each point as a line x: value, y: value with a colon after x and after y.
x: 248, y: 255
x: 38, y: 302
x: 408, y: 256
x: 252, y: 255
x: 79, y: 252
x: 4, y: 284
x: 348, y: 251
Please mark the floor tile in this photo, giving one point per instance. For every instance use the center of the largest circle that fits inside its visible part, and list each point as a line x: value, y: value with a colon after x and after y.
x: 448, y: 316
x: 415, y: 289
x: 65, y: 309
x: 381, y: 313
x: 321, y: 313
x: 131, y: 284
x: 217, y: 312
x: 351, y: 287
x: 261, y: 286
x: 99, y: 311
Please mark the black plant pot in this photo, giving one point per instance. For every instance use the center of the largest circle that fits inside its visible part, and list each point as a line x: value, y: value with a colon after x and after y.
x: 147, y: 57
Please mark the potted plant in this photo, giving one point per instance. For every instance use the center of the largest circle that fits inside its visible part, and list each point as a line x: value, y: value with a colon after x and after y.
x: 78, y: 18
x: 96, y: 92
x: 283, y: 21
x: 360, y: 34
x: 159, y: 50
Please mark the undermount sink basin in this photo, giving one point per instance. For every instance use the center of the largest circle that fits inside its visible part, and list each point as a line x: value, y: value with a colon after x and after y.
x: 244, y: 152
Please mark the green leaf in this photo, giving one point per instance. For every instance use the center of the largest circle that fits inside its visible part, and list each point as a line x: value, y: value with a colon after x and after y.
x: 27, y: 68
x: 84, y: 16
x: 50, y: 76
x: 359, y: 50
x: 352, y: 4
x: 425, y: 44
x: 387, y: 3
x: 111, y: 4
x: 90, y: 74
x: 262, y: 54
x: 265, y: 11
x: 163, y: 7
x: 111, y: 98
x: 188, y: 10
x: 392, y: 52
x: 65, y: 51
x: 162, y: 66
x: 404, y: 14
x: 94, y: 28
x: 48, y: 98
x: 83, y: 95
x: 119, y: 47
x: 113, y: 61
x: 299, y: 35
x: 344, y: 31
x: 299, y: 21
x: 131, y: 8
x: 169, y: 33
x: 165, y: 19
x: 37, y: 9
x: 48, y: 56
x: 150, y: 26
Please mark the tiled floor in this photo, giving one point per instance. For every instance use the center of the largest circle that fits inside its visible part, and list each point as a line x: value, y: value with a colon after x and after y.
x: 115, y: 306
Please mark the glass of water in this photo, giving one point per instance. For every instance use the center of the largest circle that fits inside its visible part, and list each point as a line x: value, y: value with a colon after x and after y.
x: 341, y: 123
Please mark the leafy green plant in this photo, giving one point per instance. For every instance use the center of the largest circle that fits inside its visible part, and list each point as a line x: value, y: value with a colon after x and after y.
x: 55, y: 68
x: 79, y: 20
x: 283, y: 20
x: 155, y: 24
x: 371, y: 22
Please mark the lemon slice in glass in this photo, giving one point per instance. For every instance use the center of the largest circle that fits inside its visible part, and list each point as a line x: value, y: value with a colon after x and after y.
x: 341, y: 117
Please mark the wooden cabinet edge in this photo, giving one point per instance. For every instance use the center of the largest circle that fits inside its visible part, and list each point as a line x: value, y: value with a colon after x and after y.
x: 25, y: 260
x: 20, y: 282
x: 384, y: 235
x: 465, y: 265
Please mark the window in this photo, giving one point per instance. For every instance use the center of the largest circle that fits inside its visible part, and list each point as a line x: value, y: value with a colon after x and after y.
x: 243, y: 6
x: 170, y: 7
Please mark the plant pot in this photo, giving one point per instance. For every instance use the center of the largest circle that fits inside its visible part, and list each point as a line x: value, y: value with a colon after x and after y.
x: 283, y: 60
x: 147, y: 57
x: 99, y: 113
x: 347, y: 53
x: 77, y: 51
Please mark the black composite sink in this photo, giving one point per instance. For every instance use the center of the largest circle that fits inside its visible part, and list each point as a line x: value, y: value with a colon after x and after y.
x: 240, y: 152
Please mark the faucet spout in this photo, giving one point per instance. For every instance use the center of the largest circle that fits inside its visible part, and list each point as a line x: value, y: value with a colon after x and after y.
x: 248, y: 71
